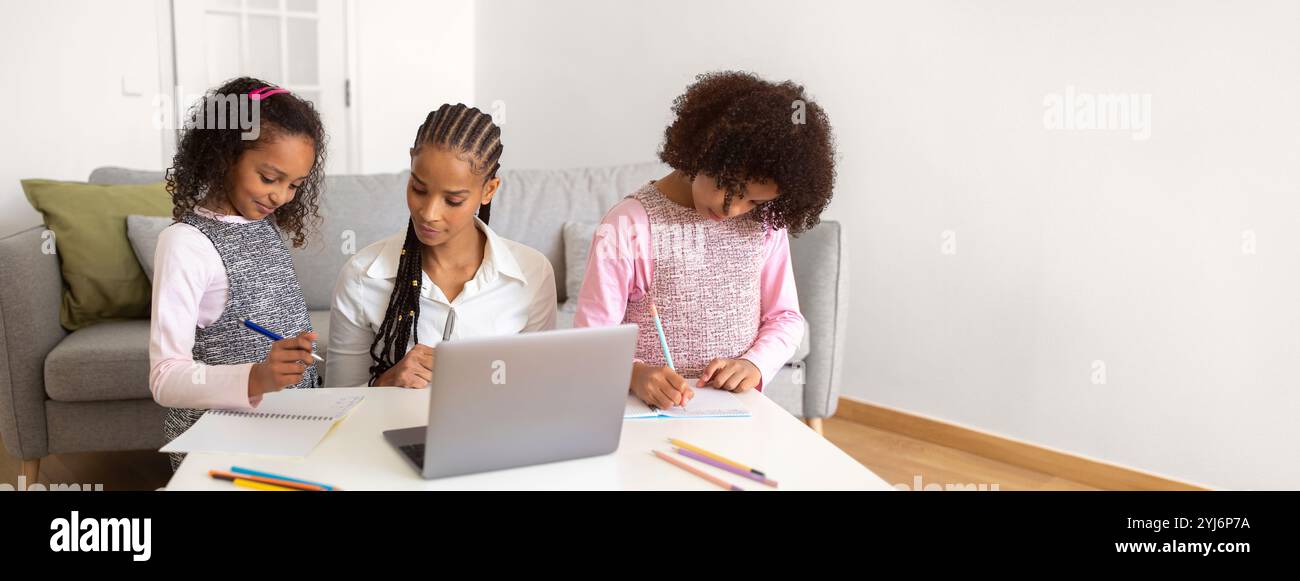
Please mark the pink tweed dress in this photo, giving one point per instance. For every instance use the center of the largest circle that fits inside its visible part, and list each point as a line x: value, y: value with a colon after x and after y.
x: 705, y: 285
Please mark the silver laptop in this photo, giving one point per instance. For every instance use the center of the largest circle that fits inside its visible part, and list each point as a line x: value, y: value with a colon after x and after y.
x: 524, y: 399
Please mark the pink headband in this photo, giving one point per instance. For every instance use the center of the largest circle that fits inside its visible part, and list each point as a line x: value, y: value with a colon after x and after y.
x: 264, y: 92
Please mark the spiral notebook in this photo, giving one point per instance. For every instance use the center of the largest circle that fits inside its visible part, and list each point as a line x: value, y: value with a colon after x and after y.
x: 286, y: 423
x: 708, y: 403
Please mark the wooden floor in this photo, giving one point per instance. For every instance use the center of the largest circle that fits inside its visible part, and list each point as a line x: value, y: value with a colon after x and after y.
x: 901, y: 460
x: 145, y: 470
x: 897, y: 459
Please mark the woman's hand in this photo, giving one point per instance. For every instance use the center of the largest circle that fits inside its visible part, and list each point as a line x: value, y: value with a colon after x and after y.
x: 284, y: 365
x: 415, y: 370
x: 659, y: 386
x: 731, y: 374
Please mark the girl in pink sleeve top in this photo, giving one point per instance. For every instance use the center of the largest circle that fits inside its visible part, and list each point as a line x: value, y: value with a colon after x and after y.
x: 708, y: 245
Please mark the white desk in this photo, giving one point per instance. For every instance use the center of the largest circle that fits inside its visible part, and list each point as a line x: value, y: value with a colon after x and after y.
x: 354, y: 455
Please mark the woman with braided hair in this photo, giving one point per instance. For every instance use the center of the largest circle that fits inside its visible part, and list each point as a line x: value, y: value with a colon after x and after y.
x: 393, y: 300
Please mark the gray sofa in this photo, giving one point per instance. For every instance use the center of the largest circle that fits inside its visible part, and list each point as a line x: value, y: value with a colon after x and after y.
x: 88, y: 390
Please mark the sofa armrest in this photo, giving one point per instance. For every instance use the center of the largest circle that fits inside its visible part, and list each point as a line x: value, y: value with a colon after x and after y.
x: 821, y: 273
x: 31, y: 291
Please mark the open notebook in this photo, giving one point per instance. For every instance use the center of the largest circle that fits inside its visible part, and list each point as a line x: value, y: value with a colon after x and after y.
x: 286, y: 423
x: 708, y: 403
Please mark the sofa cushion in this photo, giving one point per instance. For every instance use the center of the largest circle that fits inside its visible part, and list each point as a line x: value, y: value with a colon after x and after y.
x: 577, y: 247
x: 356, y: 211
x: 110, y: 361
x: 101, y: 278
x: 118, y: 175
x: 787, y: 389
x: 143, y: 232
x: 102, y: 362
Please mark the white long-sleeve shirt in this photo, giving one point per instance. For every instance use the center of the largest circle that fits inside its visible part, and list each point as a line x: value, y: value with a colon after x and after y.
x: 513, y: 291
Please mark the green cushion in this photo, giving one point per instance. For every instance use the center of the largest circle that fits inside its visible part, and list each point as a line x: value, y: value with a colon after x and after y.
x: 102, y: 280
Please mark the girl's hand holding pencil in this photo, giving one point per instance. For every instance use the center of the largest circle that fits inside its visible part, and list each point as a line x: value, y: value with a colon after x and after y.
x: 660, y: 386
x: 284, y: 365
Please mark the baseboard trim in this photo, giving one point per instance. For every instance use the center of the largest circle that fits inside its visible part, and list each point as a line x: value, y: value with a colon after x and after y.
x: 1074, y: 467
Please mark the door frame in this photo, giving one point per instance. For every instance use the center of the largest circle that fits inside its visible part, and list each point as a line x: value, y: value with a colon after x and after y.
x: 168, y: 74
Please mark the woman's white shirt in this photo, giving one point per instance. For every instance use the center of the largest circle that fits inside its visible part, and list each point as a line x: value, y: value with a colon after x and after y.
x: 513, y: 291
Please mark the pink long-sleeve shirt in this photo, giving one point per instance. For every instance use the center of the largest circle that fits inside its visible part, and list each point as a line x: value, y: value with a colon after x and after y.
x: 613, y: 279
x: 189, y: 292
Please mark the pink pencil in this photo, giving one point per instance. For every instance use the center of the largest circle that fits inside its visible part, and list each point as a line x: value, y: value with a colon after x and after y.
x: 697, y: 472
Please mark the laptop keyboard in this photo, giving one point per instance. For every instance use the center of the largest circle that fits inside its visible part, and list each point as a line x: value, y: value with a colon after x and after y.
x: 415, y: 452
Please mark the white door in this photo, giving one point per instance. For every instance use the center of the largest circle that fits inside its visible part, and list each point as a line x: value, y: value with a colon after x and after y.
x: 297, y: 44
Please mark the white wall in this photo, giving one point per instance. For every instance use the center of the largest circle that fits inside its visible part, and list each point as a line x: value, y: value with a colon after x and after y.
x: 63, y: 65
x: 413, y: 56
x: 1071, y: 246
x: 64, y: 108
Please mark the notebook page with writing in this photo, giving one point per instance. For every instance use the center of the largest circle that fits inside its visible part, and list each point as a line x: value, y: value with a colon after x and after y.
x: 707, y: 403
x: 287, y: 423
x: 637, y: 409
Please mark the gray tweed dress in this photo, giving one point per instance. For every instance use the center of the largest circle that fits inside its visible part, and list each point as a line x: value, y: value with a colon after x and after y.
x: 263, y: 288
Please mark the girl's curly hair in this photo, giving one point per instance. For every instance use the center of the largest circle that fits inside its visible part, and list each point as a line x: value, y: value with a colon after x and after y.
x: 206, y: 154
x: 736, y: 127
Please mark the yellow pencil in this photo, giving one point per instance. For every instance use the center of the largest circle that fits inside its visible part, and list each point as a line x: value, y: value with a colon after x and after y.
x: 703, y: 452
x: 261, y: 485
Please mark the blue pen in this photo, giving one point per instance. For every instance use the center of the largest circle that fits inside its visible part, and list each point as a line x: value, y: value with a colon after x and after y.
x: 238, y: 470
x: 272, y: 335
